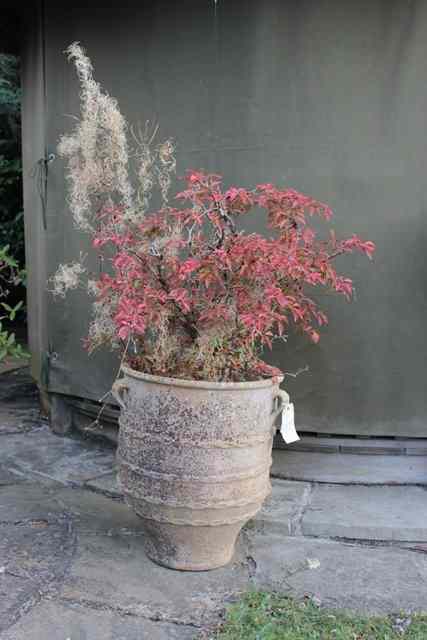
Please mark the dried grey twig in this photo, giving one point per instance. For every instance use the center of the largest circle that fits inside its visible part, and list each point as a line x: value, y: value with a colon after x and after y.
x: 98, y: 154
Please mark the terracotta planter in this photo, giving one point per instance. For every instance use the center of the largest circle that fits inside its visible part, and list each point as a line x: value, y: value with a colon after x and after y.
x: 194, y: 462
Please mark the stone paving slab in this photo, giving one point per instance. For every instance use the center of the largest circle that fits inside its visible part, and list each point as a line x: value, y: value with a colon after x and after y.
x: 89, y: 511
x: 370, y: 580
x: 63, y: 459
x: 367, y: 513
x: 29, y: 501
x: 282, y: 510
x: 7, y: 476
x: 58, y: 621
x: 19, y: 405
x: 346, y: 468
x: 105, y: 484
x: 14, y: 421
x: 94, y: 513
x: 113, y: 571
x: 33, y: 558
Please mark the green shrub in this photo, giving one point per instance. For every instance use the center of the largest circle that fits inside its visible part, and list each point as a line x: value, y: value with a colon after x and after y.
x: 11, y: 207
x: 11, y: 276
x: 12, y: 249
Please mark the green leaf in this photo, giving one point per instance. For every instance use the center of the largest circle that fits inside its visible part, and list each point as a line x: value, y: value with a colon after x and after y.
x: 11, y: 339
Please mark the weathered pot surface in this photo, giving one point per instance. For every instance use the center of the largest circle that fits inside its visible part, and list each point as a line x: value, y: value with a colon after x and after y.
x: 194, y: 462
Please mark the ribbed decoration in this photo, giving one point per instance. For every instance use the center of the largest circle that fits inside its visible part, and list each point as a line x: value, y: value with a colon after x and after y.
x: 194, y: 463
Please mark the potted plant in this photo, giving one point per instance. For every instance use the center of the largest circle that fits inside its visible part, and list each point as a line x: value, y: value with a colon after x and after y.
x: 190, y: 300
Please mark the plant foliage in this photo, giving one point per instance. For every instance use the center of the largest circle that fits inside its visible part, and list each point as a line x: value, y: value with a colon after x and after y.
x: 11, y: 214
x: 12, y: 253
x: 185, y: 292
x: 10, y: 276
x: 266, y: 616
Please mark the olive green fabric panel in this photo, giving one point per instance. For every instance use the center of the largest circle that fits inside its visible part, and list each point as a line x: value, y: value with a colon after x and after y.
x: 327, y: 96
x: 33, y: 150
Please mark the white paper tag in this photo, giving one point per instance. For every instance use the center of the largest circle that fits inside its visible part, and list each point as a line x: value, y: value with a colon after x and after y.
x: 287, y: 429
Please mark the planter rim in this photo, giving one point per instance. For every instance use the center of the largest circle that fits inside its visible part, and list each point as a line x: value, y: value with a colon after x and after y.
x: 202, y: 384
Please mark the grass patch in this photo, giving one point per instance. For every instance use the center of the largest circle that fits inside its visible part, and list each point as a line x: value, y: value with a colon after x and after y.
x: 267, y: 616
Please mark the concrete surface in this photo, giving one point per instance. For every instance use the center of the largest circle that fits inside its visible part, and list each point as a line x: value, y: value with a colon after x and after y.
x: 52, y: 620
x: 72, y: 564
x: 367, y: 513
x: 368, y: 579
x: 346, y: 468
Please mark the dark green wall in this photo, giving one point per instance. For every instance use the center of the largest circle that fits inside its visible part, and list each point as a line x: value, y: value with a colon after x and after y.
x: 327, y: 96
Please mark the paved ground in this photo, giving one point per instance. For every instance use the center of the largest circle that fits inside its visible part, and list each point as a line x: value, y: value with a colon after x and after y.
x: 72, y: 565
